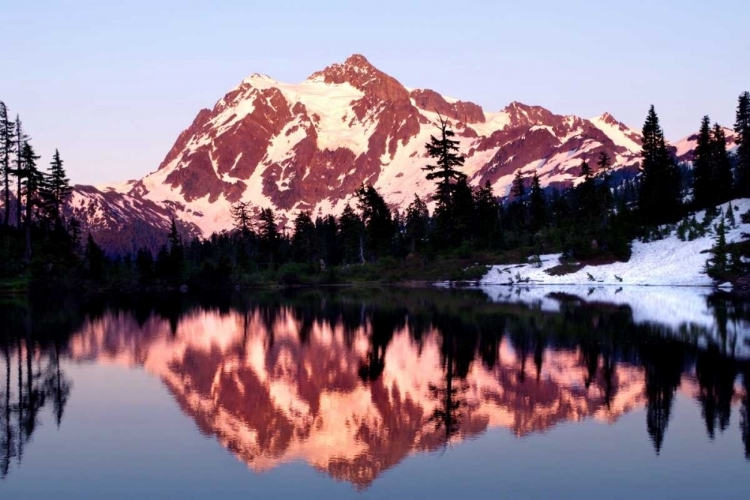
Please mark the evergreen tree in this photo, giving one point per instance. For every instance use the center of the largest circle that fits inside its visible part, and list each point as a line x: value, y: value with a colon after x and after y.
x: 460, y: 215
x: 7, y: 143
x: 176, y: 254
x: 58, y: 186
x: 604, y: 197
x: 352, y: 236
x: 33, y: 183
x: 742, y: 127
x: 74, y: 228
x: 586, y: 196
x: 604, y: 163
x: 445, y: 151
x: 240, y: 213
x: 487, y: 221
x: 585, y: 170
x: 517, y: 189
x: 378, y: 220
x: 537, y: 205
x: 659, y: 199
x: 517, y: 210
x: 730, y: 217
x: 304, y: 240
x: 269, y: 236
x: 444, y: 172
x: 416, y: 224
x: 718, y: 266
x: 329, y: 244
x: 721, y: 167
x: 702, y: 195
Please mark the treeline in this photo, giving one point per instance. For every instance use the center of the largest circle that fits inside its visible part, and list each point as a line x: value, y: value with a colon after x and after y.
x: 594, y: 220
x: 36, y: 238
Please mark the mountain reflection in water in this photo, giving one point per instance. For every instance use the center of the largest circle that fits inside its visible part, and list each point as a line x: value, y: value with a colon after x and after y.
x: 353, y: 381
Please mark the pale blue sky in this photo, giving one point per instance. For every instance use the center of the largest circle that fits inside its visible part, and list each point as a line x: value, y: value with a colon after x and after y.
x: 113, y: 83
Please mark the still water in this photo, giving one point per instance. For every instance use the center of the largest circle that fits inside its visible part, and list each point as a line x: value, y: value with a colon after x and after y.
x: 370, y: 393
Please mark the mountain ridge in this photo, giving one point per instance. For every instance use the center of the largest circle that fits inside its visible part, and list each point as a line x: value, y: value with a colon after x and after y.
x: 309, y: 146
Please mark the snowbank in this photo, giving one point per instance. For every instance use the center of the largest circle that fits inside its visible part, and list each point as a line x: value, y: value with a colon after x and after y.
x: 666, y: 262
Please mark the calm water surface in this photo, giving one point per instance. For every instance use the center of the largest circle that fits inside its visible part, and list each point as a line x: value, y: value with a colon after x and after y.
x: 377, y: 394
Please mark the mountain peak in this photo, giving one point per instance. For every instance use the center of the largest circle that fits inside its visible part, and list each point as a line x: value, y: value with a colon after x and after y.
x: 355, y: 64
x: 358, y: 61
x: 524, y: 114
x: 607, y: 118
x: 358, y: 72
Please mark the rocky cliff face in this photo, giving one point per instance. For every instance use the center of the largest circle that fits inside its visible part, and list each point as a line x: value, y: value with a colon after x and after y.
x: 308, y: 146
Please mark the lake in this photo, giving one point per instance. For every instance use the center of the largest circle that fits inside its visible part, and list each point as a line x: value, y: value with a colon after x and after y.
x: 377, y: 393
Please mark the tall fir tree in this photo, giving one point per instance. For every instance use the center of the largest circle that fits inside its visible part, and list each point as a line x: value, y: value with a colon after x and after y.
x: 487, y: 221
x: 585, y: 170
x: 721, y: 167
x: 517, y: 189
x: 240, y: 213
x: 517, y: 215
x: 304, y: 239
x: 604, y: 163
x: 57, y: 187
x: 7, y: 145
x: 329, y: 243
x: 352, y: 236
x: 537, y: 205
x: 176, y: 255
x: 659, y: 198
x: 33, y: 183
x: 378, y: 220
x: 742, y: 127
x: 417, y: 224
x: 269, y: 236
x: 445, y: 151
x: 702, y: 166
x: 605, y: 197
x: 585, y: 194
x: 461, y: 214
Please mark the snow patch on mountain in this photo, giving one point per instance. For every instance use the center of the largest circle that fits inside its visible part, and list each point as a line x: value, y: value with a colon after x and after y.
x: 619, y: 133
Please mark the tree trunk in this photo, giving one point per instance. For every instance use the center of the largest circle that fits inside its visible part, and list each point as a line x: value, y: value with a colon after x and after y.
x: 6, y: 216
x: 18, y: 202
x: 27, y: 251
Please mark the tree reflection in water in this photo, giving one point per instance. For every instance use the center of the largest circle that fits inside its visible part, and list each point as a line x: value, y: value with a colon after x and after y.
x: 352, y: 381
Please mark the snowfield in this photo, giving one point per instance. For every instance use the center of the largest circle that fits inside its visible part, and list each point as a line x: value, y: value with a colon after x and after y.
x: 666, y: 262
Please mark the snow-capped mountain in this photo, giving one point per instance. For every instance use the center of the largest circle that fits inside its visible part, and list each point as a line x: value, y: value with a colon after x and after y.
x: 309, y: 146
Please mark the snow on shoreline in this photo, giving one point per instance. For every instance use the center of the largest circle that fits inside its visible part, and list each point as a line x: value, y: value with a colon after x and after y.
x: 680, y: 309
x: 663, y: 283
x: 666, y: 262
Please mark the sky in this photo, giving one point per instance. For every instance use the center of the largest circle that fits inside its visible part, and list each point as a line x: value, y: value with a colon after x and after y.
x: 112, y: 84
